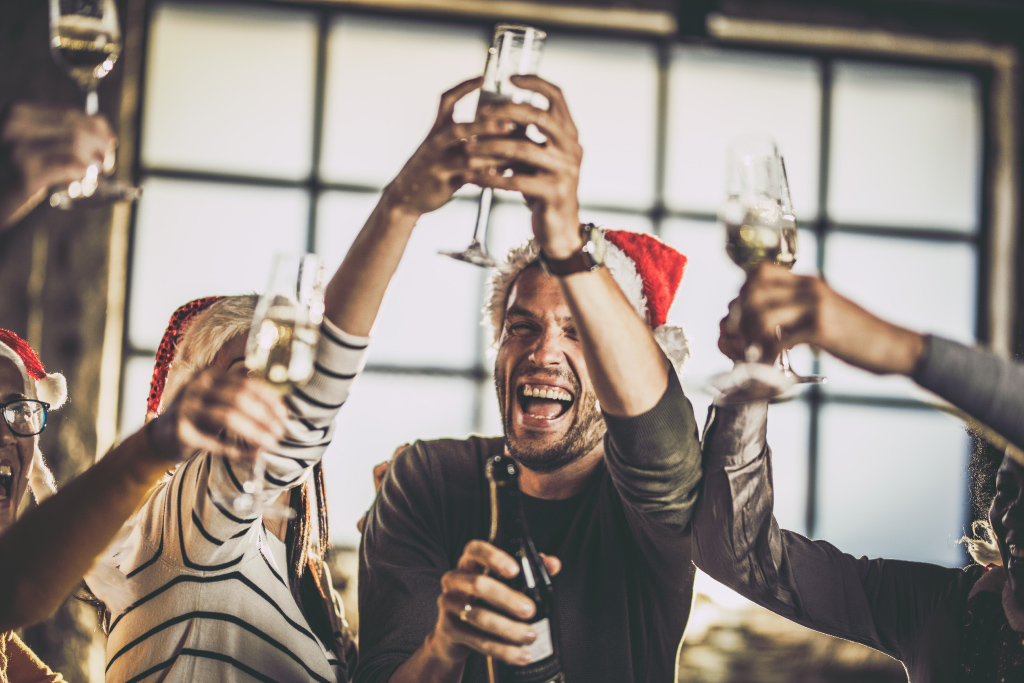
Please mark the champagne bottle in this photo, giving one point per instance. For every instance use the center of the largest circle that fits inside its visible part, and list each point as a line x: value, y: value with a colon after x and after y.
x: 509, y: 532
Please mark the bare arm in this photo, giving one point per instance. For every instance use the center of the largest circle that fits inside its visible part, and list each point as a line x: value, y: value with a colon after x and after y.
x: 47, y: 146
x: 80, y: 520
x: 628, y: 369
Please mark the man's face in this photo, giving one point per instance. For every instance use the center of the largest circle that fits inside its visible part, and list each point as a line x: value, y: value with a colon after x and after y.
x: 548, y: 404
x: 15, y: 451
x: 1007, y: 519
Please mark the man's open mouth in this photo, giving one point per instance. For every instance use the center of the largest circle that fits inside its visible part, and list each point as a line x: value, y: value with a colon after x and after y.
x: 6, y: 483
x: 543, y: 401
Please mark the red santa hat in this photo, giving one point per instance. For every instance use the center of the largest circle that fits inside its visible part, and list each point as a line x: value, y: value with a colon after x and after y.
x: 50, y: 388
x: 646, y: 269
x: 176, y: 327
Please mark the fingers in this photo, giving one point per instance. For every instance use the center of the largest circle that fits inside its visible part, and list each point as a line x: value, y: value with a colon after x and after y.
x: 451, y: 97
x: 558, y: 106
x: 482, y: 555
x: 484, y: 154
x: 553, y: 128
x: 552, y: 564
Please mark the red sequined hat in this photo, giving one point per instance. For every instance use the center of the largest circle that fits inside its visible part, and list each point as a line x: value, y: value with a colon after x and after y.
x: 169, y: 346
x: 50, y: 388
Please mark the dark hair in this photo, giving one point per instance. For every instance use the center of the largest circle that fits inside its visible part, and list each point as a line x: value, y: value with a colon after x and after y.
x: 981, y: 471
x: 308, y: 542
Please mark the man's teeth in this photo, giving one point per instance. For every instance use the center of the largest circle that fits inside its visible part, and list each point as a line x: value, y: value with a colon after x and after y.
x: 549, y: 393
x: 1016, y: 550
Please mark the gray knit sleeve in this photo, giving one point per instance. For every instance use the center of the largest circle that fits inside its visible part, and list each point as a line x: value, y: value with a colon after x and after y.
x: 985, y: 386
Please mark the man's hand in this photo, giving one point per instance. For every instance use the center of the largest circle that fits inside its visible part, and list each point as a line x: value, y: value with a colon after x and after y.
x: 551, y: 191
x: 485, y: 626
x: 221, y: 413
x: 439, y: 166
x: 778, y: 309
x: 48, y: 147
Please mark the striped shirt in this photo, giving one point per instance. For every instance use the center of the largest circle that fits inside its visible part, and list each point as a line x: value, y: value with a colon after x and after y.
x: 207, y: 592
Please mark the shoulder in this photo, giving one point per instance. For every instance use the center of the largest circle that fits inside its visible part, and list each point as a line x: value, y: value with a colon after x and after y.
x: 443, y: 460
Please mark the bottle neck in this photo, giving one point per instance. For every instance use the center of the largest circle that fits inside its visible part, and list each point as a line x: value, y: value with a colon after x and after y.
x: 508, y: 523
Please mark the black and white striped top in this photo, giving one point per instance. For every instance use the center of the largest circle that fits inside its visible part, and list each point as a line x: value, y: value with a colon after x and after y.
x: 207, y: 591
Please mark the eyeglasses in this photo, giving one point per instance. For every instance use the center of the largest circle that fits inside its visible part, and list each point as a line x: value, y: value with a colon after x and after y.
x: 25, y: 416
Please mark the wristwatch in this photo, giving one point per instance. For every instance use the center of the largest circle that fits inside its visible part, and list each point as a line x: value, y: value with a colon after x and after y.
x: 589, y: 257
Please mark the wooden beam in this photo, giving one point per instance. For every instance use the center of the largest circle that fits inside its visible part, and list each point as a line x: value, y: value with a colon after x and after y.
x: 631, y: 20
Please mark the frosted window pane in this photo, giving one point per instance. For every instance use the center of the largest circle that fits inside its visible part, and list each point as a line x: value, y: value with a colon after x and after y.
x: 892, y: 483
x: 906, y: 147
x: 923, y: 285
x: 614, y: 220
x: 788, y: 435
x: 715, y: 95
x: 431, y: 314
x: 710, y: 282
x: 340, y: 217
x: 138, y: 371
x: 509, y: 227
x: 611, y: 88
x: 230, y: 91
x: 384, y: 412
x: 196, y: 239
x: 384, y: 81
x: 490, y: 411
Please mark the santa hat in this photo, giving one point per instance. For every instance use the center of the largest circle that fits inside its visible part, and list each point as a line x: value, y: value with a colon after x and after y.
x: 49, y: 388
x: 646, y: 269
x: 176, y: 327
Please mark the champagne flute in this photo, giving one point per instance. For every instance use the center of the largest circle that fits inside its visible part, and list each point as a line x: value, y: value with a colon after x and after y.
x: 85, y: 40
x: 514, y: 50
x: 760, y: 228
x: 280, y: 350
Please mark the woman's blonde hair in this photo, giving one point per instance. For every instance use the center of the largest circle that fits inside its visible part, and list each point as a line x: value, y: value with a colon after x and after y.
x: 206, y: 334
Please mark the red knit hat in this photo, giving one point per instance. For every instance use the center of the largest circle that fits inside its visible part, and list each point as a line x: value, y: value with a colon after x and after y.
x: 169, y: 346
x: 52, y: 388
x: 646, y: 269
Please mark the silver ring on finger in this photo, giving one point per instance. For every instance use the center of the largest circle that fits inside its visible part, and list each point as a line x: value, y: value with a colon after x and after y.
x: 464, y: 612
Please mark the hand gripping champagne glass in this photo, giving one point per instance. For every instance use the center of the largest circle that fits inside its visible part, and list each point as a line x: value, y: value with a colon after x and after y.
x: 760, y: 228
x: 85, y: 40
x: 280, y: 350
x: 514, y: 50
x: 509, y: 532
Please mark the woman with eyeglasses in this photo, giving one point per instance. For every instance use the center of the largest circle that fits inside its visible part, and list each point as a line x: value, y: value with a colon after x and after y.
x: 81, y: 520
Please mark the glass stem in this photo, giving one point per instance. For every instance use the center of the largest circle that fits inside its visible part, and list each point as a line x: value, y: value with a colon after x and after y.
x: 483, y: 216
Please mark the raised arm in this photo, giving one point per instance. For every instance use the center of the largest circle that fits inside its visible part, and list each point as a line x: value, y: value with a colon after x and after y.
x: 82, y: 519
x: 806, y: 310
x: 627, y: 367
x: 46, y: 146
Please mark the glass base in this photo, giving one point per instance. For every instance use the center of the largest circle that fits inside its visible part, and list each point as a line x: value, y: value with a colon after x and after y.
x: 474, y: 254
x: 750, y: 382
x: 80, y: 194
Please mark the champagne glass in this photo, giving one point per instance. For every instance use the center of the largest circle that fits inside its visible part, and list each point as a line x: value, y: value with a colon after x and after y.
x: 280, y: 350
x: 85, y: 40
x: 514, y: 50
x: 760, y: 228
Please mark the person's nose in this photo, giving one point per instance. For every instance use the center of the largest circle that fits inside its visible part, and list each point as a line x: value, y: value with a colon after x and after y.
x: 1013, y: 516
x: 547, y: 349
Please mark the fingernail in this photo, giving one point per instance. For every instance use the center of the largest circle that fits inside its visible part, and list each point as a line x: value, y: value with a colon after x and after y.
x: 523, y: 656
x: 508, y: 126
x: 526, y: 608
x: 509, y: 567
x: 532, y: 635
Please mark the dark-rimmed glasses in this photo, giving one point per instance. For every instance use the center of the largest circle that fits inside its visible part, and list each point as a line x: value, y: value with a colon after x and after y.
x: 25, y: 416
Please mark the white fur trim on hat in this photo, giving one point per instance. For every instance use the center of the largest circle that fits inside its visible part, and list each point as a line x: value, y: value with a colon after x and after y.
x: 670, y: 338
x: 52, y: 389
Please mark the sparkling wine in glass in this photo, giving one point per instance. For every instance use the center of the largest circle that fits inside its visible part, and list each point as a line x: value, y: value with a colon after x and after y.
x: 514, y: 50
x: 760, y: 227
x: 280, y: 350
x: 85, y: 40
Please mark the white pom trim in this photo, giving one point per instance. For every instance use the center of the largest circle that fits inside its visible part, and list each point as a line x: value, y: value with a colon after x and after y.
x: 53, y: 389
x: 674, y: 343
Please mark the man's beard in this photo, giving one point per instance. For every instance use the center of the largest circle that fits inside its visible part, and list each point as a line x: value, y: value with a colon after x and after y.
x: 585, y: 433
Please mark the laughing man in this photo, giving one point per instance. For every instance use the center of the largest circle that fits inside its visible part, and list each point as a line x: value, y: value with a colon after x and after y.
x: 594, y: 413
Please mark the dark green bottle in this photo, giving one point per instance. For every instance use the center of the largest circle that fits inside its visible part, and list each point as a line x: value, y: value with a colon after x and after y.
x: 510, y: 533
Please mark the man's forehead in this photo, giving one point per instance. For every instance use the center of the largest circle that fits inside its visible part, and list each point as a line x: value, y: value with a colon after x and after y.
x: 537, y: 293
